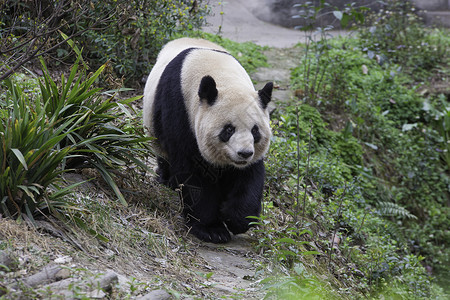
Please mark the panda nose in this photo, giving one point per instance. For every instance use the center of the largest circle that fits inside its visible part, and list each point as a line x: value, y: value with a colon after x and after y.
x: 245, y: 154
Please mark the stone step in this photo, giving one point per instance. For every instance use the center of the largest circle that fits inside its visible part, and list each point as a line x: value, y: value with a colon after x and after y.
x: 432, y: 5
x: 439, y: 18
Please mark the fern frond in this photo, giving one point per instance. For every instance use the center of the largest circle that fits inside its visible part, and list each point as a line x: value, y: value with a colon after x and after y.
x: 391, y: 209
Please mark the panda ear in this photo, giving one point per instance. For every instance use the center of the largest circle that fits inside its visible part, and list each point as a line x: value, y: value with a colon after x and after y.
x: 207, y: 90
x: 265, y: 94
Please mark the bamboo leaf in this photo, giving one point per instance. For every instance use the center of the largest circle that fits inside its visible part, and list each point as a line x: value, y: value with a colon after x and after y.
x: 313, y: 252
x: 20, y: 157
x: 108, y: 178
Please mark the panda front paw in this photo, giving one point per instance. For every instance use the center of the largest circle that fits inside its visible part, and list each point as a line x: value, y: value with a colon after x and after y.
x: 237, y: 226
x: 212, y: 234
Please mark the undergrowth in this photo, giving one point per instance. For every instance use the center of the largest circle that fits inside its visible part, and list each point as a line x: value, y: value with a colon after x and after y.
x: 129, y: 35
x: 55, y: 128
x: 372, y: 175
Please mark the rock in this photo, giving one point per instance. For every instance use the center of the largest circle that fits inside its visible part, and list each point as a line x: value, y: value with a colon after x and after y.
x: 96, y: 294
x: 104, y: 282
x: 95, y: 287
x: 271, y: 74
x: 46, y: 275
x: 7, y: 261
x: 62, y: 274
x: 63, y: 259
x: 61, y: 285
x: 156, y: 295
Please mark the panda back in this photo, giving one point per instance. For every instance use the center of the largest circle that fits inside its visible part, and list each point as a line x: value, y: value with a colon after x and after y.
x: 167, y: 54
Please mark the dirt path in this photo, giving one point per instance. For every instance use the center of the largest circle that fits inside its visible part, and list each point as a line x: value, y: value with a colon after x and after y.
x: 239, y: 24
x: 232, y: 268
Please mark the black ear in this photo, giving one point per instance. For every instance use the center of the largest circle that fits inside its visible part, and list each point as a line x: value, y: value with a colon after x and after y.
x: 265, y: 94
x: 207, y: 90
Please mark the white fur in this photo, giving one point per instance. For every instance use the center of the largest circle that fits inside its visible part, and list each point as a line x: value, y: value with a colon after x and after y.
x: 237, y: 103
x: 169, y: 52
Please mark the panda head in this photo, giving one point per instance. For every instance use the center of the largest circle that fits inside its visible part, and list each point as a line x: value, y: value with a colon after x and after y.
x: 232, y: 125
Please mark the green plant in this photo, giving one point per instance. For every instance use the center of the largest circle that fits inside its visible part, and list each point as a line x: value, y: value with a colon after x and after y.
x: 128, y: 34
x: 140, y: 29
x: 373, y: 130
x: 284, y: 242
x: 300, y: 285
x: 30, y: 154
x: 107, y: 137
x: 439, y: 116
x: 396, y: 33
x: 57, y: 129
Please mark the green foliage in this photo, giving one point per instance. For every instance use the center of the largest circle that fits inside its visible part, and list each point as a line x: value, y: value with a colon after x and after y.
x: 302, y: 285
x: 139, y: 29
x: 285, y: 243
x: 248, y: 54
x: 347, y: 73
x: 374, y: 133
x: 333, y: 152
x: 438, y: 114
x: 30, y: 153
x: 45, y: 134
x: 105, y: 139
x: 388, y: 118
x: 393, y: 209
x: 397, y: 34
x: 128, y: 34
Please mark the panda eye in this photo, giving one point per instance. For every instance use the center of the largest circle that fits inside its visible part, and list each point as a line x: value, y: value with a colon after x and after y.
x: 256, y: 134
x: 229, y: 129
x: 226, y: 133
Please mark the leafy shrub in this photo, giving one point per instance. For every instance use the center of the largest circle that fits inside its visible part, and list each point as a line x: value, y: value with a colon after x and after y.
x: 59, y: 128
x: 347, y: 73
x: 104, y: 140
x: 139, y: 30
x: 301, y: 285
x: 396, y: 33
x: 374, y: 134
x: 128, y: 34
x: 438, y: 114
x: 30, y: 155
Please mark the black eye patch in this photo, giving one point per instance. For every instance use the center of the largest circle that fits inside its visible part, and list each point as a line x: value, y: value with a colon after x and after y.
x: 226, y: 133
x: 256, y: 134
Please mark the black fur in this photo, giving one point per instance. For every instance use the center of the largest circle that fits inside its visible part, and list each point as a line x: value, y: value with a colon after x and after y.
x: 226, y: 133
x: 212, y: 197
x: 256, y: 134
x: 265, y: 94
x: 207, y: 90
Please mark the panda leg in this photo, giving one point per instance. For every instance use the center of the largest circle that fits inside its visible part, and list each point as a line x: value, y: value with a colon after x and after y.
x: 217, y: 233
x: 201, y: 209
x: 163, y: 170
x: 244, y: 193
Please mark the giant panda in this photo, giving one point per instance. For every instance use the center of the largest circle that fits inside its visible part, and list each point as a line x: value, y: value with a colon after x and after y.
x: 212, y: 131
